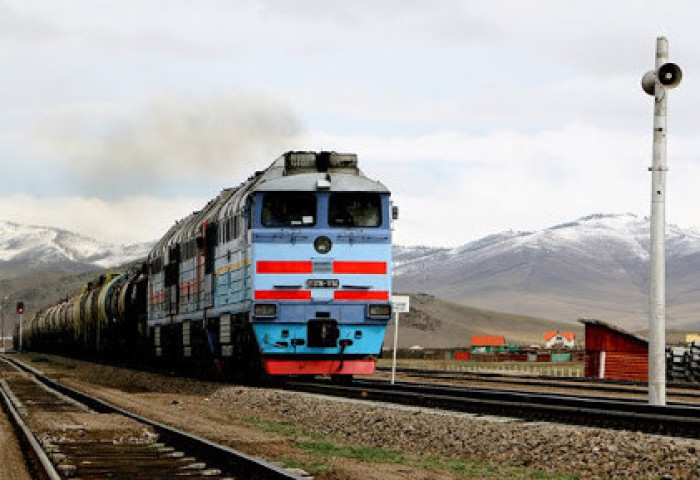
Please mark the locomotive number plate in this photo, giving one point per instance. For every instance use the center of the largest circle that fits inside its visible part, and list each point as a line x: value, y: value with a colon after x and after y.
x: 321, y: 283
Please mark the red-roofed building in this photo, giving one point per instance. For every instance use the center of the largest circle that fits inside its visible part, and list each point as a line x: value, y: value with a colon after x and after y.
x: 488, y: 343
x: 559, y: 339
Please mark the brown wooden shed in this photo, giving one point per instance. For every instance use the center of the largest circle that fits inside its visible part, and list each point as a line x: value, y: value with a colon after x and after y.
x: 614, y: 353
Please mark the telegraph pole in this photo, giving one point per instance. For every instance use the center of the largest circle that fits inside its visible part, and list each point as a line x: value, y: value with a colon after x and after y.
x: 656, y: 83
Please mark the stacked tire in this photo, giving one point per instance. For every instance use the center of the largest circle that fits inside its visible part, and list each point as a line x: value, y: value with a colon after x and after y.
x: 694, y: 354
x: 683, y: 364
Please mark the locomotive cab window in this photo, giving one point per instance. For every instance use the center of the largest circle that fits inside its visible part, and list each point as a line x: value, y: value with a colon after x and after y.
x: 289, y: 209
x: 355, y: 210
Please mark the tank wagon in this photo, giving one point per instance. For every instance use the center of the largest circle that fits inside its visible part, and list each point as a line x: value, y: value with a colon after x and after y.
x: 104, y: 318
x: 288, y: 274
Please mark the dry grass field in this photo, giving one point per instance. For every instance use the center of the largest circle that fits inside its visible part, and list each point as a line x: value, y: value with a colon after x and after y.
x: 546, y: 369
x: 437, y: 323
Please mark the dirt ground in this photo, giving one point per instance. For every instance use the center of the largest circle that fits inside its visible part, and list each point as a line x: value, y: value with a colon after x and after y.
x: 223, y: 414
x: 12, y: 466
x: 348, y: 440
x: 186, y: 404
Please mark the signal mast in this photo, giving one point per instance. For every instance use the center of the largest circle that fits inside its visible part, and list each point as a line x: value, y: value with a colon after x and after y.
x: 656, y: 83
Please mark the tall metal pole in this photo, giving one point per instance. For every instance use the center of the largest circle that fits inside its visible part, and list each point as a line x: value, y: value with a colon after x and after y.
x: 657, y: 82
x: 657, y: 284
x: 396, y: 347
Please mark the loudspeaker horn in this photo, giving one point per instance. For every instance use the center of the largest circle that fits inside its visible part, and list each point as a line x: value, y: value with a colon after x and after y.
x: 649, y: 82
x: 670, y: 75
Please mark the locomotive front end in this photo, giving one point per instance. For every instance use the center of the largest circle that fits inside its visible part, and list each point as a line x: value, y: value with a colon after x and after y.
x: 320, y: 267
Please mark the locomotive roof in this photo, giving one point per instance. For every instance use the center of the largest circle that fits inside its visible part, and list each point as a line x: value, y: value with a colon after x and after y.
x: 279, y: 178
x: 293, y: 171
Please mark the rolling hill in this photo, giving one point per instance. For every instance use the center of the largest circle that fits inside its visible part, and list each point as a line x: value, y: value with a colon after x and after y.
x: 595, y: 267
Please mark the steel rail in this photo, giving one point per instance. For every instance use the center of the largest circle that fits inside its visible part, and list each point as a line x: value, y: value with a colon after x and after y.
x: 567, y: 382
x: 38, y: 463
x: 676, y: 420
x: 219, y: 456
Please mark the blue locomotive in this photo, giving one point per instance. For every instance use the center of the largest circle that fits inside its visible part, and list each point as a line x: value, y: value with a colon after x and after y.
x: 287, y: 274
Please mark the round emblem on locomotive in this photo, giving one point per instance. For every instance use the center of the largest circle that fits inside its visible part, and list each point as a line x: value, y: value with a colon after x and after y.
x: 323, y: 245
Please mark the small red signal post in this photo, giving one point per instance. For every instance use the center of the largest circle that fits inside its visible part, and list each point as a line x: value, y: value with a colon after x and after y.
x: 20, y: 311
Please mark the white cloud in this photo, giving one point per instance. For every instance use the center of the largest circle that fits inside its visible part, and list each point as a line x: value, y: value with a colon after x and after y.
x: 481, y: 116
x: 128, y: 220
x: 453, y: 187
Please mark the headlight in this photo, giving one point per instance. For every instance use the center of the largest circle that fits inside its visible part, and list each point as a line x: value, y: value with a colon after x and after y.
x: 380, y: 310
x: 265, y: 310
x: 323, y: 245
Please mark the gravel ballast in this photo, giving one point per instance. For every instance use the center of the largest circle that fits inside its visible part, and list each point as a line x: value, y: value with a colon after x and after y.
x: 588, y: 452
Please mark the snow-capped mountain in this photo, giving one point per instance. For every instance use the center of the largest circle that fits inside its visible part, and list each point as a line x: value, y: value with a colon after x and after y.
x: 595, y: 267
x: 27, y: 249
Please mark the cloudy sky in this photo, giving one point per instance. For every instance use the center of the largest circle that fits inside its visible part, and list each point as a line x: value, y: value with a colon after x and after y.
x: 117, y: 118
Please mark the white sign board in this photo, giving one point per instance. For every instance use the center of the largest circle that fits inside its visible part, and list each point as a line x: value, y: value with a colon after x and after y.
x: 399, y: 303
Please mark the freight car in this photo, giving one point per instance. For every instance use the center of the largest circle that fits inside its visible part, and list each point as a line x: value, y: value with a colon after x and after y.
x: 104, y: 318
x: 287, y: 274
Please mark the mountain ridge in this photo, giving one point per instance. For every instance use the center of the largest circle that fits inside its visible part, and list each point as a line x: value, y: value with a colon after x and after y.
x: 26, y: 249
x: 595, y: 267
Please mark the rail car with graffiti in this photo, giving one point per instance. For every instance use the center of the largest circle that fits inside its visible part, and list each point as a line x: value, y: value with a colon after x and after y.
x: 287, y: 274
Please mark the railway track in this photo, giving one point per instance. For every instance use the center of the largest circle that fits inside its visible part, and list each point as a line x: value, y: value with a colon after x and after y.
x: 70, y: 434
x: 681, y: 420
x: 676, y: 391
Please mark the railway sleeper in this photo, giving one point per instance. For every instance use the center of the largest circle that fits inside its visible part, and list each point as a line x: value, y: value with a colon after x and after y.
x: 159, y: 451
x: 91, y: 451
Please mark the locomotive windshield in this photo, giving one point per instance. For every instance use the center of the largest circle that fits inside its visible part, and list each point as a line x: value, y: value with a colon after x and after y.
x: 354, y: 210
x: 289, y: 209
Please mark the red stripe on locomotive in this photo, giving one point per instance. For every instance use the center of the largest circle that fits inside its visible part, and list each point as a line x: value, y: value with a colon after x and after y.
x: 283, y: 295
x: 360, y: 295
x: 319, y: 367
x: 372, y: 268
x: 280, y: 266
